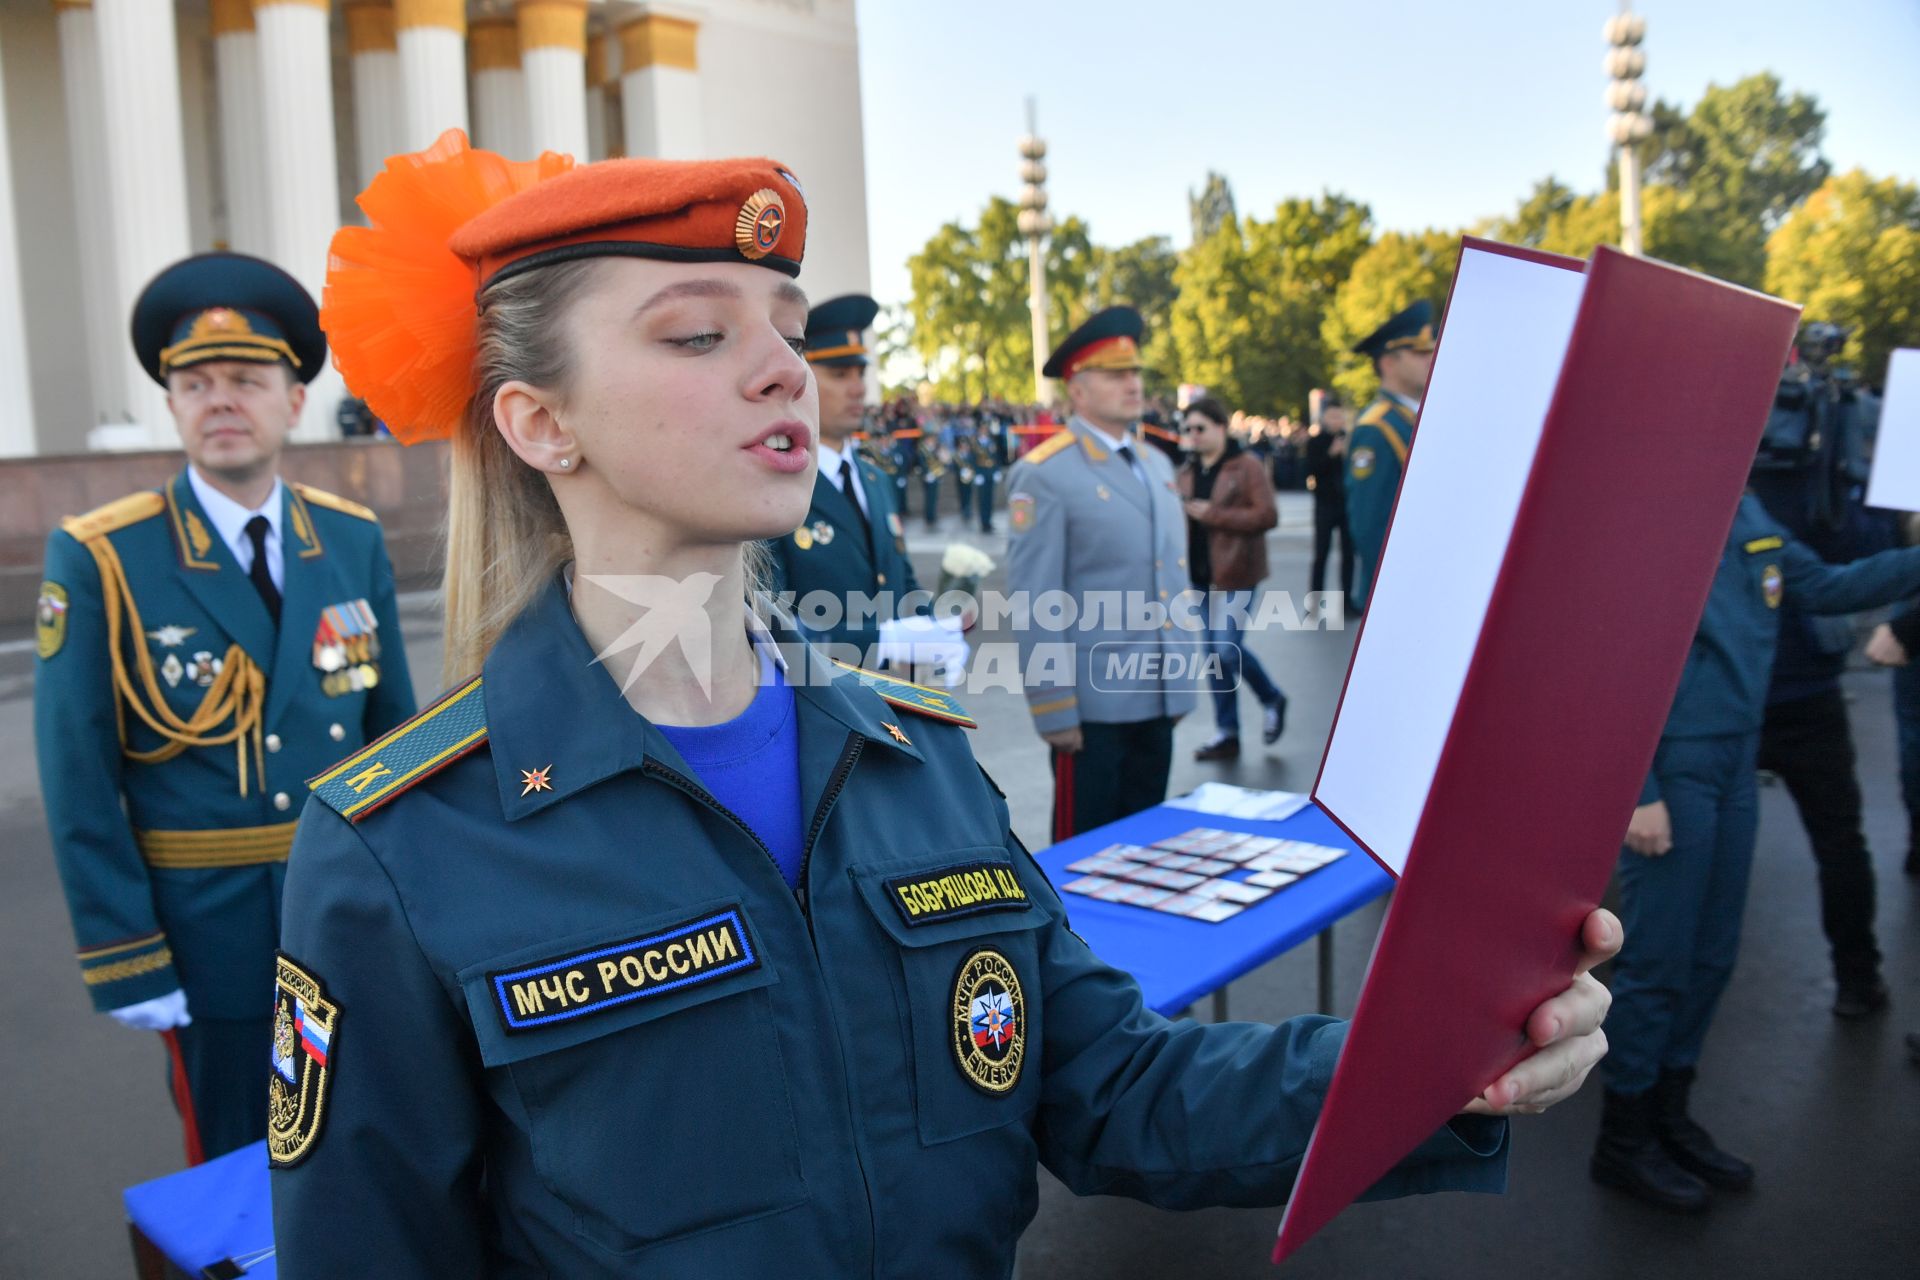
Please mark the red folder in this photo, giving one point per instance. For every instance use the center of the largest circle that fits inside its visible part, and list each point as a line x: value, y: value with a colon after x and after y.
x: 1652, y: 421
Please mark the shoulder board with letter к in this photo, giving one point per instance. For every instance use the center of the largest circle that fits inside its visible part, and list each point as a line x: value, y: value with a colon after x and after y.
x: 913, y: 697
x: 405, y: 756
x: 1053, y: 444
x: 115, y: 515
x: 334, y: 502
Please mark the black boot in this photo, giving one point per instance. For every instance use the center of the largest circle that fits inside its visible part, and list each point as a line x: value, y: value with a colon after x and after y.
x: 1629, y: 1156
x: 1692, y: 1147
x: 1913, y: 846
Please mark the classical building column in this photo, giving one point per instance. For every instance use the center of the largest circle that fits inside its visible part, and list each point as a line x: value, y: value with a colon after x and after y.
x: 597, y: 76
x: 660, y: 86
x: 499, y: 88
x: 553, y: 53
x: 86, y: 146
x: 432, y: 35
x: 300, y: 162
x: 146, y: 175
x: 237, y: 73
x: 16, y: 389
x: 376, y: 85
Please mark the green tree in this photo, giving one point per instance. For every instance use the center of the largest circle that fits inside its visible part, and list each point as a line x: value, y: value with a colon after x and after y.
x: 1534, y: 222
x: 1140, y: 275
x: 970, y: 322
x: 1397, y: 270
x: 1741, y: 160
x: 1211, y: 207
x: 1253, y: 296
x: 1851, y: 255
x: 1212, y: 324
x: 1674, y: 226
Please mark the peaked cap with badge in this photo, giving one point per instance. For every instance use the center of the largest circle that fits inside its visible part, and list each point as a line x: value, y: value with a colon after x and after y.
x: 524, y: 902
x: 1108, y: 339
x: 1411, y: 327
x: 177, y: 717
x: 226, y: 306
x: 837, y: 330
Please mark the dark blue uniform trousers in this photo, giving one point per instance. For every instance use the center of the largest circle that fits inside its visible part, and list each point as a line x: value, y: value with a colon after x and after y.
x: 1682, y: 911
x: 1906, y: 718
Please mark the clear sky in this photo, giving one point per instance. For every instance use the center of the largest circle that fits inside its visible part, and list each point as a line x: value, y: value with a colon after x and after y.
x: 1434, y: 113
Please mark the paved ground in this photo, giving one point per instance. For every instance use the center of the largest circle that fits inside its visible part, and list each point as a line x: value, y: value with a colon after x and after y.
x: 1829, y: 1112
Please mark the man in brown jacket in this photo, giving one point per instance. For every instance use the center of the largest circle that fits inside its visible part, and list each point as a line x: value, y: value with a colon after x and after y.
x: 1229, y: 508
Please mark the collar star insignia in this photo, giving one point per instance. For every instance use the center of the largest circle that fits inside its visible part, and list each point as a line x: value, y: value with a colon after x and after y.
x: 536, y: 780
x: 169, y: 637
x: 898, y: 736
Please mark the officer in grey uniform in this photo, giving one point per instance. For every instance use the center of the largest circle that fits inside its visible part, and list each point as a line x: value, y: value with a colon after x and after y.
x: 1096, y: 522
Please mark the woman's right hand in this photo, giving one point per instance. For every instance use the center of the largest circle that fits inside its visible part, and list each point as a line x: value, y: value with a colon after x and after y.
x: 1650, y: 834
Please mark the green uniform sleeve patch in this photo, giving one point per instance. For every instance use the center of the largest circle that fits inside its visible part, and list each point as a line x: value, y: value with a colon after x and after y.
x: 50, y: 616
x: 305, y: 1024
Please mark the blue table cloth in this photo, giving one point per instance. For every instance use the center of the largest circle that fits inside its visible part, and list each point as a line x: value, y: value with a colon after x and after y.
x: 209, y: 1213
x: 1178, y: 960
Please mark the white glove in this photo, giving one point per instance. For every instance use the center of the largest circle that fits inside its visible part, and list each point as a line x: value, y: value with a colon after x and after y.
x: 162, y: 1013
x: 920, y: 641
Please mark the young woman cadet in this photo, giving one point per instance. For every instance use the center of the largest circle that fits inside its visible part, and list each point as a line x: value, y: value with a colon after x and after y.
x: 698, y: 959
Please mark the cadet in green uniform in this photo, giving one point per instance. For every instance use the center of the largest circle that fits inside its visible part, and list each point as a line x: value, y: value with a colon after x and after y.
x: 1402, y: 354
x: 599, y: 969
x: 1689, y: 850
x: 852, y: 546
x: 204, y: 649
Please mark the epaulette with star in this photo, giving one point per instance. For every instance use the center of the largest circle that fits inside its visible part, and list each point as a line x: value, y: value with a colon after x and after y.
x: 115, y: 515
x: 334, y: 502
x: 912, y: 697
x: 406, y: 755
x: 1053, y: 444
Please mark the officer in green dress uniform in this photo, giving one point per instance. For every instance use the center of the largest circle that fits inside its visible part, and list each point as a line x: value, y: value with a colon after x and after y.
x: 1402, y: 354
x: 203, y: 649
x: 853, y: 546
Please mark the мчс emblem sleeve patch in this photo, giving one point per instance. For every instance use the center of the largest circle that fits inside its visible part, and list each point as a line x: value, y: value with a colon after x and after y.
x: 989, y: 1022
x: 50, y: 619
x: 304, y: 1027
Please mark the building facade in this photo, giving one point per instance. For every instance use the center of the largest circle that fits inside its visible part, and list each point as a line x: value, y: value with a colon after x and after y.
x: 139, y: 131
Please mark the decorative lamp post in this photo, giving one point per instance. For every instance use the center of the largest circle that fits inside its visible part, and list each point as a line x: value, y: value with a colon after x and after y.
x: 1629, y: 123
x: 1034, y: 225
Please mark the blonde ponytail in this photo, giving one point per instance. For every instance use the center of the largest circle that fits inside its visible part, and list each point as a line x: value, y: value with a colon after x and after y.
x: 505, y: 535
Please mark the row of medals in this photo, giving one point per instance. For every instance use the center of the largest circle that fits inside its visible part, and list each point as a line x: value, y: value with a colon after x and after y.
x: 349, y: 664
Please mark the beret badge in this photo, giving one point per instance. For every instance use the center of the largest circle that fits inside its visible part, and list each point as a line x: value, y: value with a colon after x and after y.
x: 762, y: 218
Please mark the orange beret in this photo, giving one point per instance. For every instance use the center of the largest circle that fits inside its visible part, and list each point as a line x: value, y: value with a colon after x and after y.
x: 681, y: 210
x: 400, y: 309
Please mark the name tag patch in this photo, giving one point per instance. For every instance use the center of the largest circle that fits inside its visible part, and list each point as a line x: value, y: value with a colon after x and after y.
x: 606, y: 977
x: 1758, y: 545
x: 928, y: 897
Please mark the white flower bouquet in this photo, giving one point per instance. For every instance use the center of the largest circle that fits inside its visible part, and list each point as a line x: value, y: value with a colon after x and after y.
x: 961, y: 569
